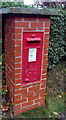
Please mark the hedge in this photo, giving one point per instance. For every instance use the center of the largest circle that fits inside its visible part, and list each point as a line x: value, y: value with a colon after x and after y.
x: 13, y: 4
x: 57, y: 49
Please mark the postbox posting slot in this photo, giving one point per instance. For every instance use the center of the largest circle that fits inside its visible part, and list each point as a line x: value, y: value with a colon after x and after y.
x: 33, y: 39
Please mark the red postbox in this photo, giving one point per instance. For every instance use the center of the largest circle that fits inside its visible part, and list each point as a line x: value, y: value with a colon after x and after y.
x: 32, y: 56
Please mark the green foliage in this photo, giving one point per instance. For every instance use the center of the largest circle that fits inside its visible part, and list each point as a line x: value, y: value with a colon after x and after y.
x: 65, y: 31
x: 10, y: 4
x: 57, y: 40
x: 13, y: 4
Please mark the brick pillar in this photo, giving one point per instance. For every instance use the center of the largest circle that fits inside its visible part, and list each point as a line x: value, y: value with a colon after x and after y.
x: 32, y: 95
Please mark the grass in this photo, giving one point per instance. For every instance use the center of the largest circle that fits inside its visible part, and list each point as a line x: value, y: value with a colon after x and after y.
x: 54, y: 99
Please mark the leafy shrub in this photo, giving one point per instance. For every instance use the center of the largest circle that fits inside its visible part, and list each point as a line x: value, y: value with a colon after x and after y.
x: 13, y: 4
x: 10, y: 4
x: 65, y: 31
x: 57, y: 40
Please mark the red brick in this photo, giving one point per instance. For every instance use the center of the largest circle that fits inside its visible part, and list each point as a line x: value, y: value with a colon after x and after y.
x: 27, y: 103
x: 17, y: 76
x: 20, y: 91
x: 16, y: 36
x: 27, y: 94
x: 18, y: 65
x: 17, y: 97
x: 17, y: 71
x: 33, y: 106
x: 40, y: 91
x: 46, y: 41
x: 43, y: 81
x: 29, y: 29
x: 25, y: 24
x: 20, y: 101
x: 47, y: 29
x: 17, y: 107
x: 21, y: 24
x: 40, y: 28
x: 43, y: 19
x: 39, y: 100
x: 16, y: 30
x: 46, y: 35
x: 30, y: 19
x: 17, y: 87
x: 26, y: 85
x: 43, y: 85
x: 17, y: 18
x: 43, y: 76
x: 17, y: 42
x: 17, y: 81
x: 42, y: 95
x: 17, y: 48
x: 17, y: 54
x: 19, y: 111
x: 45, y: 62
x: 45, y: 51
x: 34, y: 88
x: 46, y: 46
x: 45, y: 56
x: 36, y: 24
x: 44, y: 71
x: 38, y: 83
x: 45, y: 66
x: 47, y: 24
x: 17, y: 59
x: 16, y: 24
x: 33, y: 97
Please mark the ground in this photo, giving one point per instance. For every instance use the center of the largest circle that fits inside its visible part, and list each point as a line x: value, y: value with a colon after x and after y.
x: 55, y: 98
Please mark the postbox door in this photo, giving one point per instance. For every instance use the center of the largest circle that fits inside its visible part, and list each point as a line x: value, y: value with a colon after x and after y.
x: 31, y: 56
